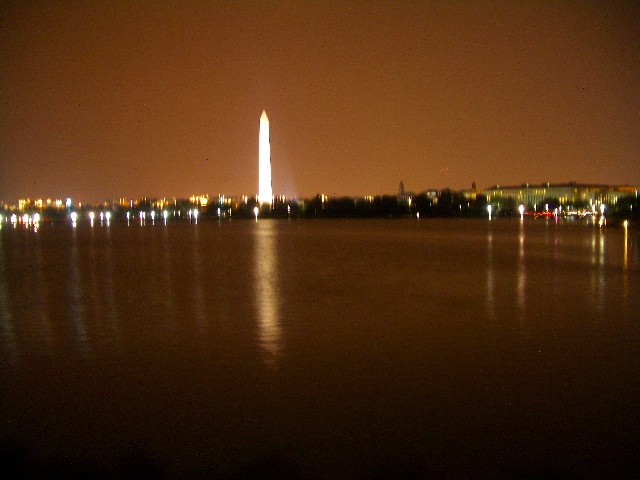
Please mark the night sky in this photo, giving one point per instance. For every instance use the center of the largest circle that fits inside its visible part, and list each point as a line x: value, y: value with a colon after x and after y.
x: 111, y: 99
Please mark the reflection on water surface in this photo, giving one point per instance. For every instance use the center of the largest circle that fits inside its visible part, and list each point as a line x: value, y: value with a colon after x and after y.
x: 266, y: 289
x: 323, y: 348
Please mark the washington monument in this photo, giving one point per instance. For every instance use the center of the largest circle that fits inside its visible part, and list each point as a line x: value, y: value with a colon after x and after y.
x: 265, y: 194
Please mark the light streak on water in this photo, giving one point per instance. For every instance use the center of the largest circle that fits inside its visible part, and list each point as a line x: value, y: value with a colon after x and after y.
x: 76, y: 298
x: 266, y: 291
x: 522, y: 271
x: 490, y: 277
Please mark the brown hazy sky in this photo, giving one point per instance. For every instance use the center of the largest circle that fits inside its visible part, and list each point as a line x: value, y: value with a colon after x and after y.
x: 125, y: 98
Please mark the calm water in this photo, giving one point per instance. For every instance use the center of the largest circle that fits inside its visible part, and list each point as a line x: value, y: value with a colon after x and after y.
x: 328, y: 349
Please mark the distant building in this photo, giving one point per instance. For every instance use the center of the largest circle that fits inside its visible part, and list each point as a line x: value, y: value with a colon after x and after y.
x: 471, y: 194
x: 567, y: 194
x: 24, y: 203
x: 404, y: 197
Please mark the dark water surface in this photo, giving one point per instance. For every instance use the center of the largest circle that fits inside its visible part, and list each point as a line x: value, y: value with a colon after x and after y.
x: 328, y: 349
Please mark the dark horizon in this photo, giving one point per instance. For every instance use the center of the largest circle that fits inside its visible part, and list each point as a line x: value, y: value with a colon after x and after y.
x: 408, y: 191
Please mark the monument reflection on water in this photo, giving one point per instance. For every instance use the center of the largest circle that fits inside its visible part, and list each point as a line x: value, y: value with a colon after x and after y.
x: 320, y: 348
x: 266, y: 290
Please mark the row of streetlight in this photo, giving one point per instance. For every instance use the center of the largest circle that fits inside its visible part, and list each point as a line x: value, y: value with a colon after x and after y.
x: 555, y: 212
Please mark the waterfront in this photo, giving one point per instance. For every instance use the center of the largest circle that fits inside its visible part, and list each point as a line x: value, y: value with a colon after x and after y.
x: 322, y: 348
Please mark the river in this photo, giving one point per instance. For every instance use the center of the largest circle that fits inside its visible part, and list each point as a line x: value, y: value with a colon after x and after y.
x: 320, y: 349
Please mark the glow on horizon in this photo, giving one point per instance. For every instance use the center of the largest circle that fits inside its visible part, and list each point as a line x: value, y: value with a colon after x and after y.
x: 265, y: 193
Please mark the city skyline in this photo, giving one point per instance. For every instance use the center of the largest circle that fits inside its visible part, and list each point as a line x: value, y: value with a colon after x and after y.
x: 565, y: 192
x: 151, y: 100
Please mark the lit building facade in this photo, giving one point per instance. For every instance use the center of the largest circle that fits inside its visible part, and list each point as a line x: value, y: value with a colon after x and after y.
x: 567, y: 194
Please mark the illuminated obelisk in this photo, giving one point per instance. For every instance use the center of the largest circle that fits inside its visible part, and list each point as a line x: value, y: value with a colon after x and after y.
x: 265, y: 195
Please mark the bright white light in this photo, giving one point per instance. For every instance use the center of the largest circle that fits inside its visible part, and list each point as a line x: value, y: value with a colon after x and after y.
x: 68, y: 203
x: 101, y: 216
x: 256, y: 210
x: 92, y: 216
x: 36, y: 217
x: 602, y: 207
x: 489, y: 210
x: 165, y: 214
x: 195, y: 213
x: 14, y: 218
x: 74, y: 217
x: 153, y: 215
x: 265, y: 194
x: 108, y: 215
x: 25, y: 218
